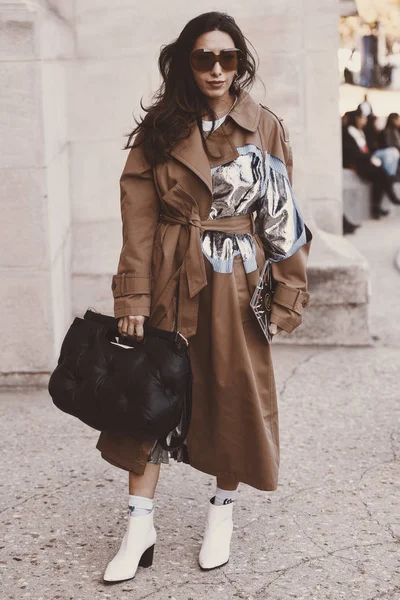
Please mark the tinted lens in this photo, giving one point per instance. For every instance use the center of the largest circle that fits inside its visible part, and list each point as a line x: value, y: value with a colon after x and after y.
x: 229, y: 59
x: 202, y: 61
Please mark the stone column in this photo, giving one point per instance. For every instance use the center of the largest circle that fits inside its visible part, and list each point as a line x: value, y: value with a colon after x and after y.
x: 35, y: 224
x: 338, y: 273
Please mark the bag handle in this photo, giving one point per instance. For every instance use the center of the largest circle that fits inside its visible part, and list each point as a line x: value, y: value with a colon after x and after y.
x: 112, y: 326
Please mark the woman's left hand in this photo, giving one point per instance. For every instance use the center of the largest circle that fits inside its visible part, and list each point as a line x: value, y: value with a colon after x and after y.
x: 274, y: 329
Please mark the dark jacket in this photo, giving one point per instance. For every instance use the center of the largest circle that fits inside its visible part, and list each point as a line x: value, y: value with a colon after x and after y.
x: 352, y: 155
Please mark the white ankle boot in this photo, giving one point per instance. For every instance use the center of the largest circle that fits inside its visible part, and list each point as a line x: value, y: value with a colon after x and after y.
x: 137, y: 548
x: 217, y: 536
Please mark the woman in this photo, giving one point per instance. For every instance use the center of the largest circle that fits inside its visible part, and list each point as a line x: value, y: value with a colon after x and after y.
x: 357, y: 156
x: 205, y: 197
x: 373, y: 134
x: 391, y: 131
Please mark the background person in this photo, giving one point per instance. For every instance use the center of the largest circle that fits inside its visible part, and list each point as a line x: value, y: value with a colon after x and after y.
x: 357, y: 156
x: 377, y: 139
x: 392, y: 132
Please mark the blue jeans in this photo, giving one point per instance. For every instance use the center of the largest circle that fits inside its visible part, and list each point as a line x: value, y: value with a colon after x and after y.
x: 390, y: 159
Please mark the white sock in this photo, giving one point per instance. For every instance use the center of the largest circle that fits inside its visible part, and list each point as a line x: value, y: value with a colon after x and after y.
x: 224, y: 496
x: 139, y: 505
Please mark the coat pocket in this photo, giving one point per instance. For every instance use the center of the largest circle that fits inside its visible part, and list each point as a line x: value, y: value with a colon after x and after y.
x: 158, y: 238
x: 242, y: 289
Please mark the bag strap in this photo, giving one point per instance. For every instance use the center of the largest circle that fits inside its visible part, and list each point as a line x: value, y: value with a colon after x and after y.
x: 177, y: 302
x: 177, y: 441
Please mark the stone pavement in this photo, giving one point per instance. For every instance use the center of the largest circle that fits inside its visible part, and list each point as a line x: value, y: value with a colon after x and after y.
x: 331, y: 531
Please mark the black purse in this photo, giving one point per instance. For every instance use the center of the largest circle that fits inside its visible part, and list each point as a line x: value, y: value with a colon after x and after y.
x: 121, y: 386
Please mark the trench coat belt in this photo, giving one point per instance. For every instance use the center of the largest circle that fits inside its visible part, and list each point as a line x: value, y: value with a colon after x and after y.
x: 191, y: 272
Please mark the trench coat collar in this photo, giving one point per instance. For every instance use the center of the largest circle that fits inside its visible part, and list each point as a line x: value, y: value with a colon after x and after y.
x: 246, y: 113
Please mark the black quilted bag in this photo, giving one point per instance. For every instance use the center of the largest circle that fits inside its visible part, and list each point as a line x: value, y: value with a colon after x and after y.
x: 121, y: 386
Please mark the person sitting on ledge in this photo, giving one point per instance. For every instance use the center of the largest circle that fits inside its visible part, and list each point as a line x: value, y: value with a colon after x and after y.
x: 369, y: 165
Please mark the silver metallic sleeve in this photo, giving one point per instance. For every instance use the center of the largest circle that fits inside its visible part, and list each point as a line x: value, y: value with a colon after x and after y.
x: 279, y: 222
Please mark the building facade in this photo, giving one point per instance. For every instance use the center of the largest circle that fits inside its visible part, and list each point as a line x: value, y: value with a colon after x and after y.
x: 72, y: 74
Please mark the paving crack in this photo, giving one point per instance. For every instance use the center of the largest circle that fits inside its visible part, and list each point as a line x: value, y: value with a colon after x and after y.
x: 260, y: 593
x: 155, y: 591
x: 295, y: 369
x: 385, y: 594
x: 283, y: 499
x: 395, y: 537
x: 36, y: 496
x: 232, y: 583
x: 331, y: 553
x: 343, y: 559
x: 393, y: 444
x: 384, y: 462
x: 49, y: 492
x: 354, y: 546
x: 309, y: 536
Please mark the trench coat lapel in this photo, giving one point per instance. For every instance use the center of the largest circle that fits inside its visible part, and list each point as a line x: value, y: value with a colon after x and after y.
x: 191, y: 153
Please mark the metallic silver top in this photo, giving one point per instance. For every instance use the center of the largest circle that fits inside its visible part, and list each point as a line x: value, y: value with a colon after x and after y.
x: 253, y: 182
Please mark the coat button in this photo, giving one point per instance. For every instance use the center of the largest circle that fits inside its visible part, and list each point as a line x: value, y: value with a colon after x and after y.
x: 304, y: 303
x: 113, y: 285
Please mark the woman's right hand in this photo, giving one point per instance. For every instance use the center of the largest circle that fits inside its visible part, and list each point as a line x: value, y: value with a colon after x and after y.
x: 132, y: 326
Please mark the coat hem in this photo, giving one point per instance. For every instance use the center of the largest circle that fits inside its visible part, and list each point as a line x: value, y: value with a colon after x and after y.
x: 138, y: 467
x: 266, y: 487
x: 135, y: 467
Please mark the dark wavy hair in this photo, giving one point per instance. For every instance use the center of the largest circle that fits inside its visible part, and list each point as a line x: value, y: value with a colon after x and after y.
x: 390, y: 121
x: 352, y: 116
x: 178, y: 103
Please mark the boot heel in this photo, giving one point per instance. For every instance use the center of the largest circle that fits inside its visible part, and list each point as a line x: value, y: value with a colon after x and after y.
x: 147, y: 557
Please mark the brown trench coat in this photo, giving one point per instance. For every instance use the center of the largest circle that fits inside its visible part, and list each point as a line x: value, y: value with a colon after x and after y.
x: 234, y: 424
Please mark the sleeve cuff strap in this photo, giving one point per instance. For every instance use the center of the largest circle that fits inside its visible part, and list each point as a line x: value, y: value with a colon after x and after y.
x: 126, y: 284
x: 137, y: 310
x: 291, y: 298
x: 287, y: 325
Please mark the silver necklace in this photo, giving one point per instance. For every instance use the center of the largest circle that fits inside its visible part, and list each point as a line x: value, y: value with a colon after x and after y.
x: 227, y: 113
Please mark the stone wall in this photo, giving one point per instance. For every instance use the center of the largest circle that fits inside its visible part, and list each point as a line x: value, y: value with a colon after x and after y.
x: 35, y: 304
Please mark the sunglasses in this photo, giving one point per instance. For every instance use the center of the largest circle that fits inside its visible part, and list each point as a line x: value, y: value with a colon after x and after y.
x: 203, y: 60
